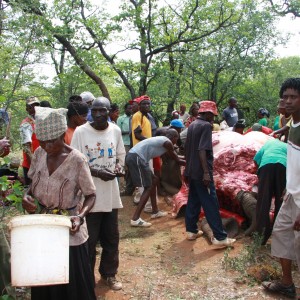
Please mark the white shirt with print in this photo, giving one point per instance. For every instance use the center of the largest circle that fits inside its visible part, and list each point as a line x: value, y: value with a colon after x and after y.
x: 102, y: 148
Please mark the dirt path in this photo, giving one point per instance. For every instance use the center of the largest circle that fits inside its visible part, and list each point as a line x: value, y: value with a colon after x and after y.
x: 159, y: 263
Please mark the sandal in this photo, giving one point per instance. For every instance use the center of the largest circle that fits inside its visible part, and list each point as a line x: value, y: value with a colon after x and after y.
x: 278, y: 287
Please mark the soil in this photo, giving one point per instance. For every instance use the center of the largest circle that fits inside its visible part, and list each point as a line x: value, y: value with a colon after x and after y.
x: 159, y: 263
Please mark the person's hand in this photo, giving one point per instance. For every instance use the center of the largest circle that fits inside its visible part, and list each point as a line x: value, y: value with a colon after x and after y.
x: 28, y: 204
x: 119, y: 170
x: 4, y: 147
x: 105, y: 174
x: 206, y: 179
x: 297, y: 223
x: 76, y: 223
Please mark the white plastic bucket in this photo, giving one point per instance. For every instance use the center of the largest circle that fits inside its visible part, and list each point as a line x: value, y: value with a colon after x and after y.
x: 39, y: 250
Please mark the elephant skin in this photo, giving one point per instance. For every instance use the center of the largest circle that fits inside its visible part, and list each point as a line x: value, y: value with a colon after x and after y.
x: 248, y: 203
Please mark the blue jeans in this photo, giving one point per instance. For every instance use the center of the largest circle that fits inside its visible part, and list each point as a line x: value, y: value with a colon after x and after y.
x: 199, y: 197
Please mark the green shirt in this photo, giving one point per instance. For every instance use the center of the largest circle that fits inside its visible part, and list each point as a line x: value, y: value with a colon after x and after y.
x: 123, y: 123
x: 272, y: 152
x: 276, y: 123
x: 263, y: 121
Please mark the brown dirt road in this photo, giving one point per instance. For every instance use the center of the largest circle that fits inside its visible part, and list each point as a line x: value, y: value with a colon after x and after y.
x: 158, y: 263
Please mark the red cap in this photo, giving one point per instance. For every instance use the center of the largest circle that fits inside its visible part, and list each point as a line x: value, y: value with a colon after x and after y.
x: 208, y: 106
x: 142, y: 98
x: 134, y: 100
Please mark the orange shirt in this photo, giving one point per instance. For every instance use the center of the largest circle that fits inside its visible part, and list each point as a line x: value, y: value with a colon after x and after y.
x: 27, y: 130
x: 69, y: 135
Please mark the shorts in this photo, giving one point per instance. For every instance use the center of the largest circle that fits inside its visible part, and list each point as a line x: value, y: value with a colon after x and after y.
x: 139, y: 170
x: 285, y: 240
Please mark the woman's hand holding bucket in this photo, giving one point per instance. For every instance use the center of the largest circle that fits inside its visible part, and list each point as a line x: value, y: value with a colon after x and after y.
x: 28, y: 204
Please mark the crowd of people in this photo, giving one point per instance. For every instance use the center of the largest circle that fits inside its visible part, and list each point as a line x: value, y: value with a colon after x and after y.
x: 74, y: 157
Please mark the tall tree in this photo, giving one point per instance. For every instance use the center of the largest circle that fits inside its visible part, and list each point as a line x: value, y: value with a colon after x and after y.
x: 286, y: 7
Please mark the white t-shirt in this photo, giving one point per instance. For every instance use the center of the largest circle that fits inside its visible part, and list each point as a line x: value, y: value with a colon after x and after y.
x: 293, y: 163
x: 184, y: 117
x: 102, y: 148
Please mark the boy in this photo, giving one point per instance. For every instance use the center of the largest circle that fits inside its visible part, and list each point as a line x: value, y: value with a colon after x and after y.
x: 286, y: 232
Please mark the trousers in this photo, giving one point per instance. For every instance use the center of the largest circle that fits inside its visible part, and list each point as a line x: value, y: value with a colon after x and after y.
x: 103, y: 228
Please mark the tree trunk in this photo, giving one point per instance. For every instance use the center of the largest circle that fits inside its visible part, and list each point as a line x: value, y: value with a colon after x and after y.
x: 83, y: 66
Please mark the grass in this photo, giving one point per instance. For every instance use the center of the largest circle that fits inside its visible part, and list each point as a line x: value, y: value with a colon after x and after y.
x: 253, y: 263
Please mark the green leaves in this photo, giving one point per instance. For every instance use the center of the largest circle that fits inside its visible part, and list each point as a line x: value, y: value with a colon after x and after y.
x: 11, y: 192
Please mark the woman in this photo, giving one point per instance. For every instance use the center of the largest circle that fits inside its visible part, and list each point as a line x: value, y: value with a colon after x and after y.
x: 76, y: 115
x: 262, y: 115
x: 59, y: 173
x: 193, y: 114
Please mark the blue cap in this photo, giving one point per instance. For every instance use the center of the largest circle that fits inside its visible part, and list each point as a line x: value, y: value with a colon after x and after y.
x: 177, y: 123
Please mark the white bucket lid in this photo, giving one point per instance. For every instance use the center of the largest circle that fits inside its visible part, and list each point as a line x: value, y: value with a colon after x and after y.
x: 40, y: 219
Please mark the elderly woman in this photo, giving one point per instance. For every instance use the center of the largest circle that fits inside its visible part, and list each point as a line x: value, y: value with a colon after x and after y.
x: 59, y: 174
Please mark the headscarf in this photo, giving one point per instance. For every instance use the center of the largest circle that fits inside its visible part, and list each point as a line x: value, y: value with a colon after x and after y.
x: 50, y: 123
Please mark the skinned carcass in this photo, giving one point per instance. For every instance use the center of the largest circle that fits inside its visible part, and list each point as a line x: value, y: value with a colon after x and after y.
x: 234, y: 168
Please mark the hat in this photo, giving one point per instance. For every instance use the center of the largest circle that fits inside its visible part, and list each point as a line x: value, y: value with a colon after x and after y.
x: 177, y: 123
x: 32, y: 100
x: 256, y: 127
x: 142, y: 98
x: 134, y: 100
x: 208, y: 106
x: 87, y: 97
x: 241, y: 123
x: 50, y: 123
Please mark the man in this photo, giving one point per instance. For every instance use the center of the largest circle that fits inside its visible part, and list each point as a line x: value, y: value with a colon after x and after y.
x: 230, y: 114
x: 239, y: 126
x: 134, y: 108
x: 271, y: 162
x: 140, y: 125
x: 137, y: 161
x: 176, y: 124
x: 199, y: 176
x: 141, y: 129
x: 28, y: 138
x: 88, y: 98
x: 77, y: 114
x: 129, y: 185
x: 286, y: 236
x: 101, y: 142
x: 123, y: 122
